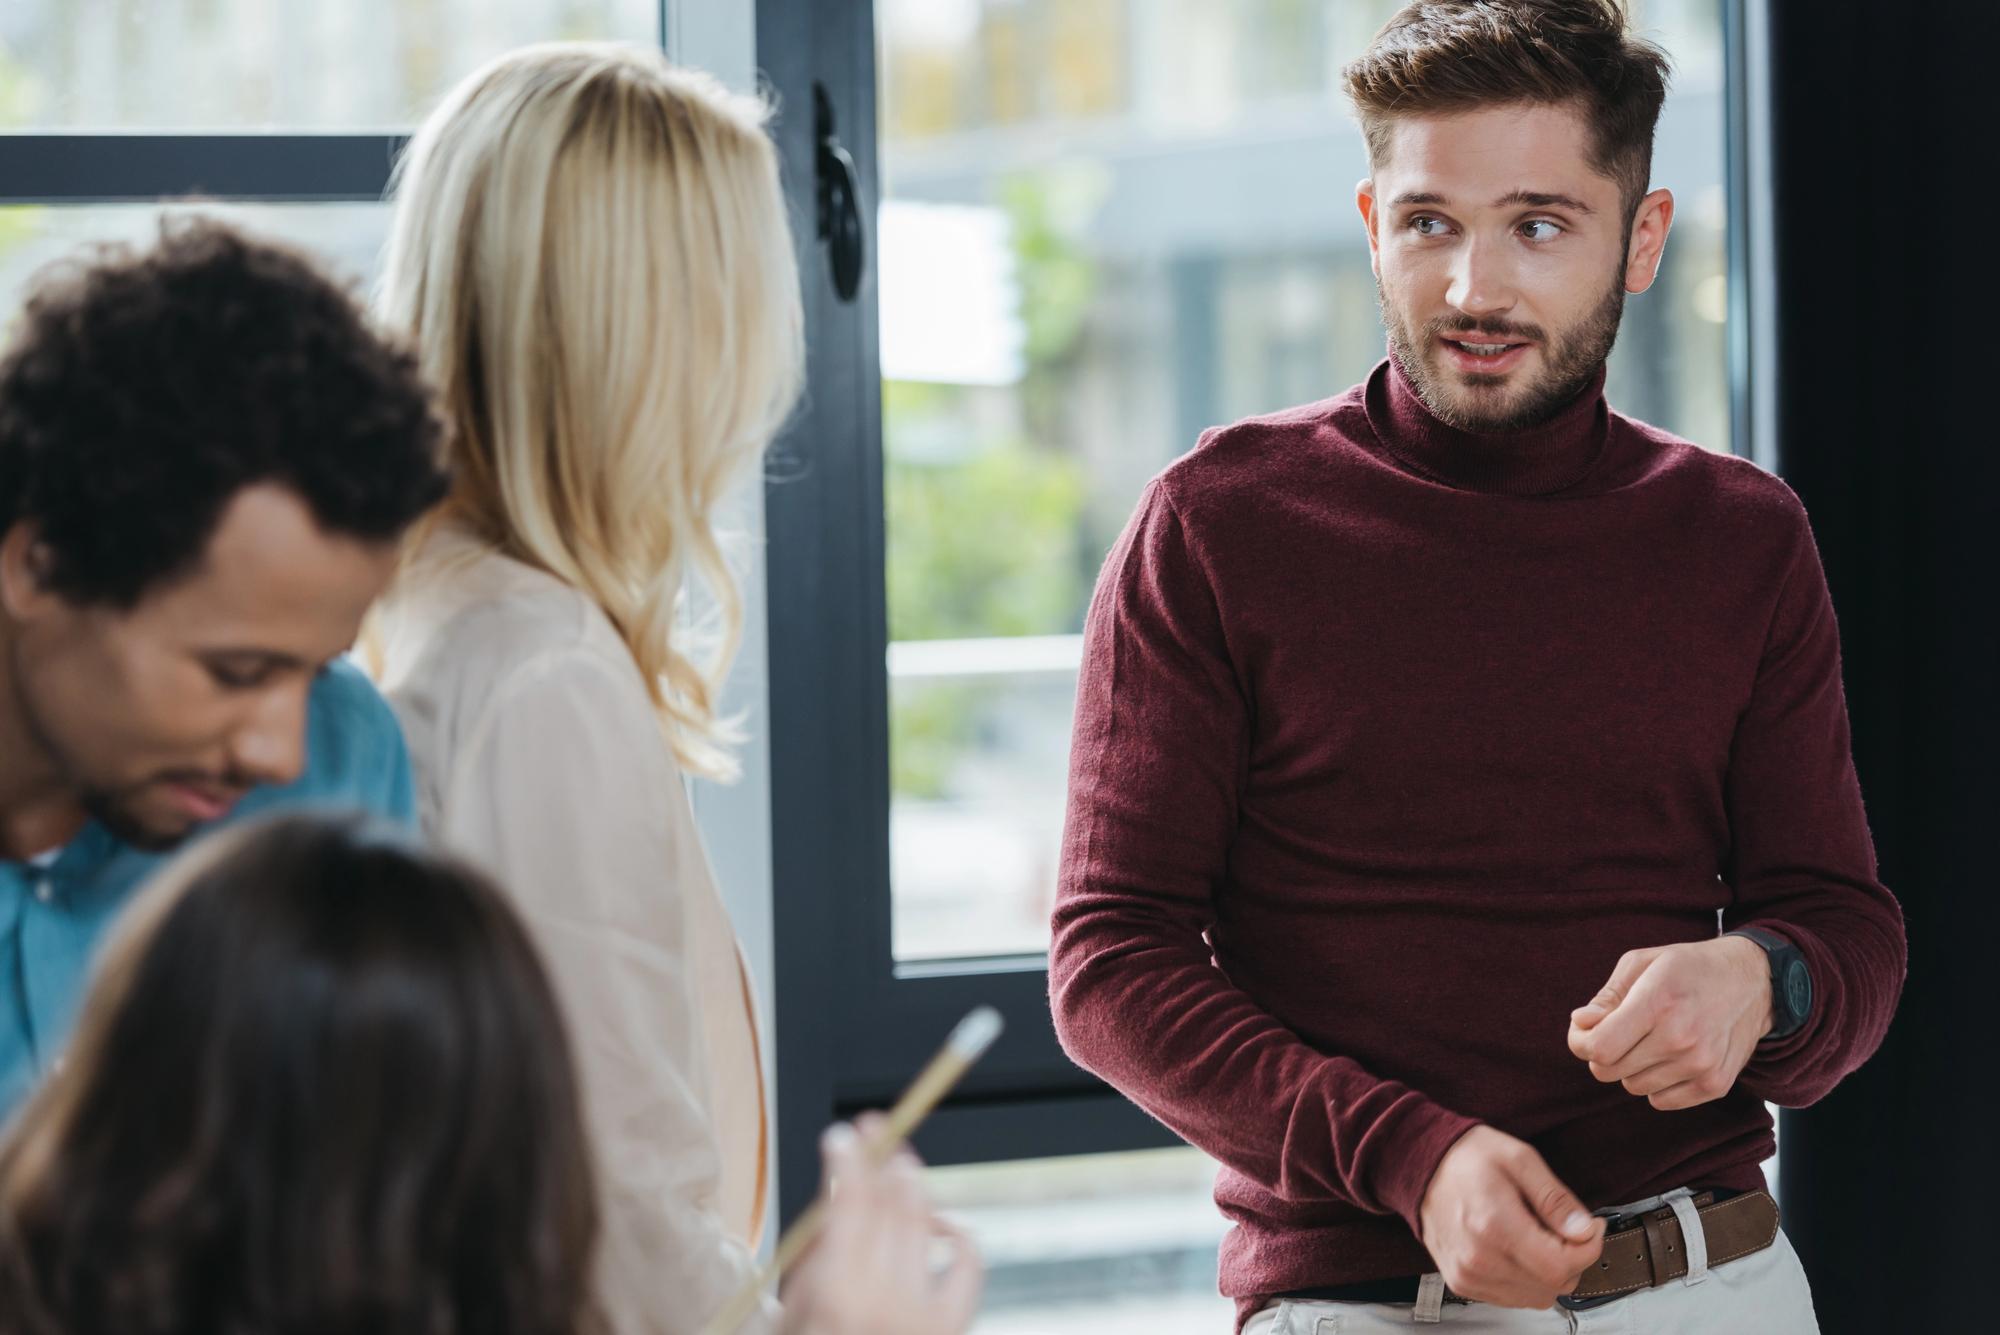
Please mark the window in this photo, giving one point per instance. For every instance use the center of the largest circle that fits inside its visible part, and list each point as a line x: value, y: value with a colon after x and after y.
x: 1122, y: 1242
x: 108, y: 107
x: 1105, y: 226
x: 348, y: 237
x: 293, y: 64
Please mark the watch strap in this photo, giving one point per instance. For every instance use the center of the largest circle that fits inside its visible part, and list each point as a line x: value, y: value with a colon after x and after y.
x: 1791, y: 982
x: 1771, y: 941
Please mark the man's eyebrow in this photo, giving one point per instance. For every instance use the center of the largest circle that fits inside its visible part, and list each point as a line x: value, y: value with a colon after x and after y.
x: 264, y: 657
x: 1533, y: 200
x: 1418, y: 197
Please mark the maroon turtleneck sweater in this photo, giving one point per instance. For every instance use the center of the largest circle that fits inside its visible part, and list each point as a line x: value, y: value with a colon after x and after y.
x: 1390, y: 740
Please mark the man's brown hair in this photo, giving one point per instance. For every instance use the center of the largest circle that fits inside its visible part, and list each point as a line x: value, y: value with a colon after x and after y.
x: 1438, y: 57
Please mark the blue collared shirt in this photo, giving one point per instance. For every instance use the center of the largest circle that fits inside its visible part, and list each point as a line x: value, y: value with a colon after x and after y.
x: 52, y: 916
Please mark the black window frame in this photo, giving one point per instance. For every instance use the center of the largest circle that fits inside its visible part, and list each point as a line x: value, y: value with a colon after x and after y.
x: 72, y: 167
x: 852, y: 1027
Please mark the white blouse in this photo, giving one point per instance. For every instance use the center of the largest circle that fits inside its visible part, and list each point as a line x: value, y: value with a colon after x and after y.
x: 540, y: 759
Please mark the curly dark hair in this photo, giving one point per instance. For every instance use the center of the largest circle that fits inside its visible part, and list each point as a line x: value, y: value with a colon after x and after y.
x: 143, y: 390
x: 320, y: 1087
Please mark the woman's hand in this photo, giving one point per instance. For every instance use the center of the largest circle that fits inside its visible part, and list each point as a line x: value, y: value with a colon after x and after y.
x: 885, y: 1264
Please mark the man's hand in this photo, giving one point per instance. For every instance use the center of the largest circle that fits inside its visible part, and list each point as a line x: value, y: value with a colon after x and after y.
x: 1677, y: 1023
x: 1502, y: 1228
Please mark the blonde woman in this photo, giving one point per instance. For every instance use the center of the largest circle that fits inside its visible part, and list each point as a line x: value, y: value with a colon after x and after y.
x: 591, y: 257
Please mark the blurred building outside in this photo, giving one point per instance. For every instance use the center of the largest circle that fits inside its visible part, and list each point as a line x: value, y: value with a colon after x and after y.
x: 1100, y: 1244
x: 269, y: 64
x: 194, y: 65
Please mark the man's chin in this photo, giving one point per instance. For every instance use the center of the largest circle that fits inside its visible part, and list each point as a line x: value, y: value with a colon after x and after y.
x: 147, y: 831
x: 1481, y: 404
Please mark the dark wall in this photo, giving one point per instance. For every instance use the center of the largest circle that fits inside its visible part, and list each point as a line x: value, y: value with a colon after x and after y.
x: 1886, y: 213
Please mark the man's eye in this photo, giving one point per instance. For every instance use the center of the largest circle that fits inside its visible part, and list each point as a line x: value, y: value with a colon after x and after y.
x: 1541, y: 229
x: 238, y: 678
x: 1428, y: 226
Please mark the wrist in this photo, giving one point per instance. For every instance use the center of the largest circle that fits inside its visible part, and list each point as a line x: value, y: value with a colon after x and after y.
x: 1437, y: 1147
x: 1466, y: 1143
x: 1755, y: 968
x: 1788, y: 981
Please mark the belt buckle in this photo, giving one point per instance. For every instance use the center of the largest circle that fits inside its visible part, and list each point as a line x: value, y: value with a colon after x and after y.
x: 1612, y: 1219
x: 1574, y: 1304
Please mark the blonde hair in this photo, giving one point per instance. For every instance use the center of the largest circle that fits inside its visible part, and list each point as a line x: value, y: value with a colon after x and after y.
x: 591, y: 256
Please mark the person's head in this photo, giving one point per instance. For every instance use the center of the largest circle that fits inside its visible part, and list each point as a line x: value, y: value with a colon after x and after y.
x: 206, y: 461
x: 1510, y: 144
x: 592, y: 256
x: 320, y: 1084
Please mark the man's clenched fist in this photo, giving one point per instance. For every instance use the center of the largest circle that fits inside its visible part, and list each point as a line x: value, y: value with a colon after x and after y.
x: 1502, y: 1228
x: 1676, y: 1024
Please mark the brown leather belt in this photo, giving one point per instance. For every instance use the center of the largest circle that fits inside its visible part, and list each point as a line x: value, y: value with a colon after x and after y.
x: 1641, y: 1251
x: 1644, y: 1251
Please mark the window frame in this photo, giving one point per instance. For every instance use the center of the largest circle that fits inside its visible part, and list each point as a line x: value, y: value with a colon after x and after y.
x: 851, y: 1027
x: 88, y: 167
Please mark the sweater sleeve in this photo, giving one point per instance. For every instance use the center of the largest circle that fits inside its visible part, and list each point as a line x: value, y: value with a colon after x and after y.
x: 1801, y: 862
x: 1158, y: 761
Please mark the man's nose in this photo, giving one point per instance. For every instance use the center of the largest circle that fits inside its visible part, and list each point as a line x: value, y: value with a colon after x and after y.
x: 1482, y: 279
x: 270, y: 746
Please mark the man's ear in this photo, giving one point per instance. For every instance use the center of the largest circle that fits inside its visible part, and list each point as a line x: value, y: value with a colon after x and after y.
x: 1364, y: 199
x: 24, y: 569
x: 1649, y: 239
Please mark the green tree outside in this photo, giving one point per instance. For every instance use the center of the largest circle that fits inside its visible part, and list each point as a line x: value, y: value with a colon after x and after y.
x: 983, y: 528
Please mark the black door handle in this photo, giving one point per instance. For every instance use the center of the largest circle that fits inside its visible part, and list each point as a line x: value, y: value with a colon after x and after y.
x: 839, y: 201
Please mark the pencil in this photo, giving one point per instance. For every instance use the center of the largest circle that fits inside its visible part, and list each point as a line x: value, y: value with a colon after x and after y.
x: 969, y: 1040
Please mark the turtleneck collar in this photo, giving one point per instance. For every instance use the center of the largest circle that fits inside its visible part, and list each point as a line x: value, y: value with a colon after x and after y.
x: 1538, y: 461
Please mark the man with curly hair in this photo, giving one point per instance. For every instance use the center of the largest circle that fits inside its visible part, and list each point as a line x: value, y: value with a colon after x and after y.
x: 1463, y: 841
x: 207, y: 461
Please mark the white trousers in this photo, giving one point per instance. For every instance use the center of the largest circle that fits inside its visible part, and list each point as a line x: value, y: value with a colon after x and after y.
x: 1764, y: 1293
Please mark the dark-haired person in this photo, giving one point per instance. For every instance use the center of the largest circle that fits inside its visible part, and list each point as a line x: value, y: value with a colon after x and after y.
x: 321, y: 1084
x: 1426, y: 733
x: 207, y: 460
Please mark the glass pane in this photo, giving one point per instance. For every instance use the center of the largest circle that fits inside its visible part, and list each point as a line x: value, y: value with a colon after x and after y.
x: 1099, y: 1244
x: 309, y: 64
x: 347, y: 238
x: 1106, y: 225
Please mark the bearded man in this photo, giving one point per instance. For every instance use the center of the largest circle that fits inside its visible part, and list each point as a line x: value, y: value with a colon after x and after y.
x: 1463, y: 842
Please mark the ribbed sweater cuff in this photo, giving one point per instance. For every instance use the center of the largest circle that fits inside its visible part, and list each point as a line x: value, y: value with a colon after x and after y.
x: 1410, y: 1153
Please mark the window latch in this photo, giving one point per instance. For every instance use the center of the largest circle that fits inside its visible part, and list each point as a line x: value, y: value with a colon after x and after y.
x: 839, y: 200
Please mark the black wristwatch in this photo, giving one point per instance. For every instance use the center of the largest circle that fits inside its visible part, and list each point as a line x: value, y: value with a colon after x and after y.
x: 1791, y: 983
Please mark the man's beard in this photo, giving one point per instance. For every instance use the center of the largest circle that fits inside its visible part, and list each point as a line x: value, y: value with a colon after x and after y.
x: 111, y: 808
x: 1569, y: 362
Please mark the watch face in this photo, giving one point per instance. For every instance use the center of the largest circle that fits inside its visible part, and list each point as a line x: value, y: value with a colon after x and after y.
x: 1798, y: 988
